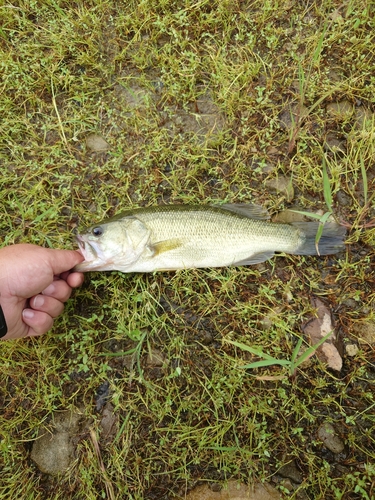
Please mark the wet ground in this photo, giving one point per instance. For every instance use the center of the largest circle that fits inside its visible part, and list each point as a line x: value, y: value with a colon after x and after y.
x: 148, y: 399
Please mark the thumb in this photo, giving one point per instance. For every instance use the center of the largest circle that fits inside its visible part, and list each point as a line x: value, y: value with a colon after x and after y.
x: 63, y: 260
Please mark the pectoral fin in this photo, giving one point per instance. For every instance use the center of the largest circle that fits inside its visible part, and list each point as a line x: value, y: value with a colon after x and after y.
x: 165, y: 246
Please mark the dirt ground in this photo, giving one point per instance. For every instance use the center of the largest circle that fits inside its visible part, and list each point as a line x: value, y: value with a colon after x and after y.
x: 138, y: 392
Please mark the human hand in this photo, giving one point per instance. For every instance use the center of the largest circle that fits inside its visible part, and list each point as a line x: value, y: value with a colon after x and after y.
x: 34, y: 284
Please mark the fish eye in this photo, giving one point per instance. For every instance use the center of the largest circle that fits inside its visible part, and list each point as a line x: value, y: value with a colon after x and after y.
x: 97, y: 231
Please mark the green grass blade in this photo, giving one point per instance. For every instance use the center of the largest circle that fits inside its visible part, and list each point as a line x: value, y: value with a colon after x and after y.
x: 323, y: 219
x: 311, y: 350
x: 327, y: 187
x: 44, y: 214
x: 308, y: 214
x: 296, y: 351
x: 318, y: 50
x: 266, y: 362
x: 252, y: 350
x: 364, y: 180
x: 301, y: 80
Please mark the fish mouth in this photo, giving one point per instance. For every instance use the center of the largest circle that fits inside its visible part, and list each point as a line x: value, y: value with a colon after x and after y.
x: 90, y: 255
x: 88, y: 251
x: 95, y: 259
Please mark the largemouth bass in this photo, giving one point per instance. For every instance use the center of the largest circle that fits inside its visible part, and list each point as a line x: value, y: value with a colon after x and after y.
x: 174, y: 237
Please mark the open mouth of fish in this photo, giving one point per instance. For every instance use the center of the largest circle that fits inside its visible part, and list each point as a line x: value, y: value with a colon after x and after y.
x: 95, y: 259
x: 87, y: 250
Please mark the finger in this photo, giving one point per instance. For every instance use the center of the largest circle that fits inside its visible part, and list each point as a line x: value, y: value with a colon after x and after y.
x: 74, y: 279
x: 46, y: 304
x: 59, y: 290
x: 37, y: 321
x: 63, y: 260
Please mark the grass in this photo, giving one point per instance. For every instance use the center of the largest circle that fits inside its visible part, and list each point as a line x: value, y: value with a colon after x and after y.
x: 189, y: 96
x: 293, y: 363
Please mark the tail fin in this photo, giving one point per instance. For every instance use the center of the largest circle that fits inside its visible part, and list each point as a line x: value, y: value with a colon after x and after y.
x: 331, y: 241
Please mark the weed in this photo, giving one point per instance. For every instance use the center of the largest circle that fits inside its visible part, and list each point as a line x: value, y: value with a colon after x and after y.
x: 292, y: 363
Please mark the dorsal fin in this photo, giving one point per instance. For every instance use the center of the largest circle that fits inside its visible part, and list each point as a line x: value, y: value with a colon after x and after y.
x: 247, y: 210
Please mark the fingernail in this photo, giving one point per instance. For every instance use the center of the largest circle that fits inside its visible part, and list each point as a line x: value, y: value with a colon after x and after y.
x: 49, y: 290
x: 38, y: 301
x: 28, y: 313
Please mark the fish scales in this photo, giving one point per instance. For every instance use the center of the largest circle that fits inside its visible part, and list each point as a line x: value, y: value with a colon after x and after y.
x: 178, y: 236
x: 214, y: 235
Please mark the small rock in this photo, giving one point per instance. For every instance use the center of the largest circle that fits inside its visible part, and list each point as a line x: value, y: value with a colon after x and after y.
x: 351, y: 350
x: 332, y: 356
x: 342, y: 110
x: 102, y: 395
x: 155, y: 358
x: 235, y: 491
x: 288, y: 216
x: 287, y: 485
x: 270, y: 319
x: 290, y: 470
x: 327, y: 434
x: 283, y: 185
x: 317, y: 328
x: 96, y: 143
x: 109, y: 425
x: 292, y: 114
x: 334, y: 144
x: 53, y: 451
x: 343, y: 199
x: 364, y: 118
x: 365, y: 332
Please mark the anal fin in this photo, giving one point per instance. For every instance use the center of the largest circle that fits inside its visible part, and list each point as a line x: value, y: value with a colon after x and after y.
x: 255, y: 259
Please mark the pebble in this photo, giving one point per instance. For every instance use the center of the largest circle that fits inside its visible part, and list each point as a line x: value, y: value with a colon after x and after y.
x: 96, y: 143
x: 234, y: 491
x: 365, y: 332
x: 53, y: 451
x: 343, y: 199
x: 289, y: 216
x: 155, y: 358
x: 290, y: 471
x: 327, y: 434
x: 283, y: 185
x: 341, y: 110
x: 108, y: 424
x: 364, y: 118
x: 289, y: 116
x: 353, y: 304
x: 351, y: 350
x: 318, y: 327
x: 334, y: 144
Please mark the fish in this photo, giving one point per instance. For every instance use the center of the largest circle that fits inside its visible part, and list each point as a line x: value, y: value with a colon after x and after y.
x: 172, y: 237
